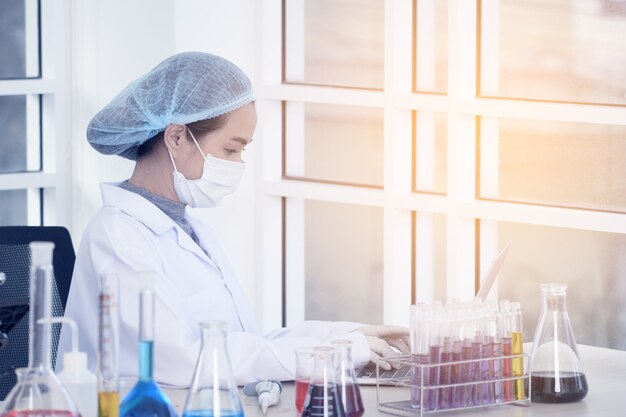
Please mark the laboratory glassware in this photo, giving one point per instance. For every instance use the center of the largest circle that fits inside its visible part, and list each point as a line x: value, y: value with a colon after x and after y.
x: 517, y: 347
x: 322, y: 398
x: 108, y: 343
x: 38, y: 391
x: 213, y: 391
x: 146, y: 398
x: 556, y: 370
x: 346, y: 379
x: 305, y: 357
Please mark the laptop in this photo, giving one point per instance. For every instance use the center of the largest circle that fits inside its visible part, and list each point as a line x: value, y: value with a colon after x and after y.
x: 367, y: 375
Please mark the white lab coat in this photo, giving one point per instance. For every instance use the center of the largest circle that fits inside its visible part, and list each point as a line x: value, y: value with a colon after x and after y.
x: 194, y: 283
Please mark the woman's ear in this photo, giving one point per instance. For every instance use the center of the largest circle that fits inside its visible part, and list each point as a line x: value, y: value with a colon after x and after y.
x: 174, y: 137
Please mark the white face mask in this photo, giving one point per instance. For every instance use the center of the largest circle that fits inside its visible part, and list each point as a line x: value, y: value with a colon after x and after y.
x: 220, y: 178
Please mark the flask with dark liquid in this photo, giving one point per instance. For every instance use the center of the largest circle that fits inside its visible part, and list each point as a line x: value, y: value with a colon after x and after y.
x: 323, y: 398
x: 556, y: 371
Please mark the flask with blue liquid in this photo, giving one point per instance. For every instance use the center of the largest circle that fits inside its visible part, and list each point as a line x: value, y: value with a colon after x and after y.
x: 146, y: 398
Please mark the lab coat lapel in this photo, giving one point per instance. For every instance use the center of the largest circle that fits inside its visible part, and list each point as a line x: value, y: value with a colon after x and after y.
x: 151, y: 216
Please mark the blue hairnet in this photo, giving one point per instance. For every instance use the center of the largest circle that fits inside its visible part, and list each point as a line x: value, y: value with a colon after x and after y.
x: 183, y: 89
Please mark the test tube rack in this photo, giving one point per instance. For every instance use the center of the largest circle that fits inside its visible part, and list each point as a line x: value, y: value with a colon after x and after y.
x: 405, y: 393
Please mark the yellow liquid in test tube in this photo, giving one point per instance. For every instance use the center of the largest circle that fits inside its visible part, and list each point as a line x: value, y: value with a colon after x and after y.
x: 518, y: 365
x: 108, y: 404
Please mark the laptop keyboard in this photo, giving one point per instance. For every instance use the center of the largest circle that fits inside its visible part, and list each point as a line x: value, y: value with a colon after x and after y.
x: 370, y: 372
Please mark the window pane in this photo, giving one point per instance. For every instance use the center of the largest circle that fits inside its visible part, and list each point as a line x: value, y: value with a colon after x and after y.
x: 20, y: 147
x: 431, y: 46
x: 343, y: 271
x: 19, y: 39
x: 431, y: 140
x: 430, y: 257
x: 334, y: 143
x: 591, y: 263
x: 335, y: 42
x: 560, y: 50
x: 572, y: 164
x: 20, y: 208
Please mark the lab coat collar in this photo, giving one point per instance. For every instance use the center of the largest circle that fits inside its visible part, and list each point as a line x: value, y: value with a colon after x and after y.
x: 150, y: 215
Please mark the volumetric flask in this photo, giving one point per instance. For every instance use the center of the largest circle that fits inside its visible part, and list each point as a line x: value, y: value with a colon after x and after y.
x: 38, y: 391
x: 556, y: 371
x: 146, y: 398
x: 322, y: 398
x: 213, y: 391
x: 346, y: 379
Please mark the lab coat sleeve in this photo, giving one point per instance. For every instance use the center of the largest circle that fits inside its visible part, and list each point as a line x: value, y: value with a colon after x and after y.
x: 121, y: 246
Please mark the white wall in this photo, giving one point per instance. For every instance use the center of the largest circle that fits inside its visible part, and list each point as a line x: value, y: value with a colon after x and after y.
x: 115, y: 41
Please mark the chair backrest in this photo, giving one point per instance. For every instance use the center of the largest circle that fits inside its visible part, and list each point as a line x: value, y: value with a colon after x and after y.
x: 15, y: 291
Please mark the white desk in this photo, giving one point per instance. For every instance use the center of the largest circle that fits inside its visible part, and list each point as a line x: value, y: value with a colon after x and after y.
x: 605, y: 370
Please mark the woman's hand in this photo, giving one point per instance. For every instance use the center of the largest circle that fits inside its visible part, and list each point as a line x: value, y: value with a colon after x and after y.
x: 382, y: 340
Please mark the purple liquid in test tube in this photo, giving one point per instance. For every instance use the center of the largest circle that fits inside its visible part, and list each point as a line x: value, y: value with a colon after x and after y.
x: 475, y: 375
x: 432, y: 399
x: 486, y: 367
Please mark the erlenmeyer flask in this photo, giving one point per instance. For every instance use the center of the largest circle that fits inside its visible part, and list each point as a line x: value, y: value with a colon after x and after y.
x: 349, y: 391
x: 38, y: 391
x: 322, y: 398
x: 556, y: 371
x: 213, y: 391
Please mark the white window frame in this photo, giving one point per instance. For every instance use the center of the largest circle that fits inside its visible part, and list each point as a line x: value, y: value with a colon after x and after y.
x: 53, y: 179
x: 461, y: 206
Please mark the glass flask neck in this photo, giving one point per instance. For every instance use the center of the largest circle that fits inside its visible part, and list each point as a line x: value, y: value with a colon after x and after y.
x: 554, y: 296
x: 323, y: 366
x: 146, y: 335
x: 213, y: 336
x: 40, y: 310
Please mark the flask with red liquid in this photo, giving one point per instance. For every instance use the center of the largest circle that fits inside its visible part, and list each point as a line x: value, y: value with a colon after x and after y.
x: 38, y: 392
x: 556, y: 371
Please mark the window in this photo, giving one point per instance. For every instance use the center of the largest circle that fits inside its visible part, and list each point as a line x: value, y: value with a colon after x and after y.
x: 32, y: 176
x: 399, y: 156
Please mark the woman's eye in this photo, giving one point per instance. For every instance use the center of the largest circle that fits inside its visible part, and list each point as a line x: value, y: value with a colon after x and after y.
x: 234, y: 151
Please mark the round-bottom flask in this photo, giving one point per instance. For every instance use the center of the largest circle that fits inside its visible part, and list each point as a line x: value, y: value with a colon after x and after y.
x: 38, y: 392
x: 556, y: 371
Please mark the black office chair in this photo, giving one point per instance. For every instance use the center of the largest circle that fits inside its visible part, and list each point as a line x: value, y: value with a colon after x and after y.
x: 14, y: 293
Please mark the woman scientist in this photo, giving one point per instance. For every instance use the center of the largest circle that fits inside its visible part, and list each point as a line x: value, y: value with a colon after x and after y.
x: 186, y: 123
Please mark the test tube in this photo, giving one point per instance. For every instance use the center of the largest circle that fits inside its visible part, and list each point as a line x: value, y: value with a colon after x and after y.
x: 446, y: 356
x: 507, y: 363
x: 468, y: 331
x: 435, y: 357
x: 486, y: 370
x: 518, y: 349
x: 497, y: 354
x: 415, y: 334
x: 456, y: 393
x: 108, y: 353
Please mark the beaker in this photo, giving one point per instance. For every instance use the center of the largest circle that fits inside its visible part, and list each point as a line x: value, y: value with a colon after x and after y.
x: 38, y: 391
x: 346, y: 379
x: 556, y: 371
x: 213, y: 391
x: 305, y: 357
x: 322, y: 398
x: 146, y: 398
